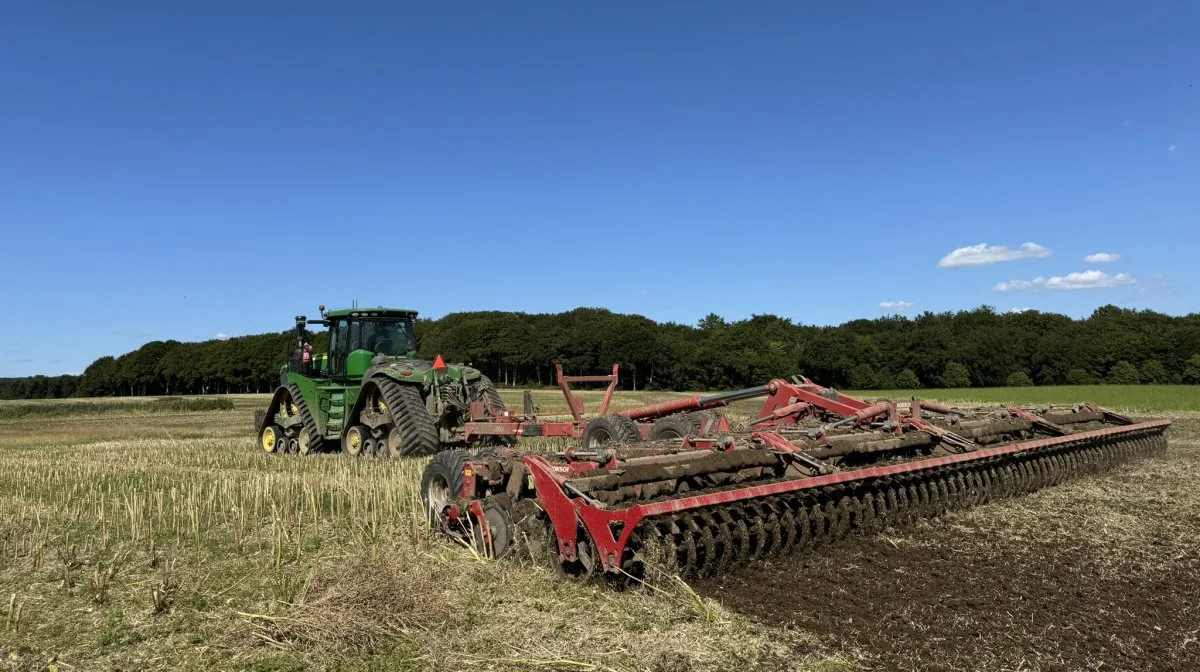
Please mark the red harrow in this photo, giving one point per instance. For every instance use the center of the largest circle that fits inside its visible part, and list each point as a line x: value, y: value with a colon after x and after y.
x: 812, y: 466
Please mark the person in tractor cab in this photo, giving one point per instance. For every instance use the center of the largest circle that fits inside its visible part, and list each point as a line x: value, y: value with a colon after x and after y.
x: 379, y: 343
x: 389, y: 338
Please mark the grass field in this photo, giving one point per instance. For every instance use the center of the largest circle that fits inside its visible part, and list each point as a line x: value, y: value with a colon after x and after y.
x: 140, y: 538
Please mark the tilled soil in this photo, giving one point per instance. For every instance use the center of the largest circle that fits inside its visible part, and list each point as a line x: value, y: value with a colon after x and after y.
x: 987, y: 590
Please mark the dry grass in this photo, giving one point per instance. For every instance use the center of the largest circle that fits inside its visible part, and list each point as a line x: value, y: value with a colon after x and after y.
x: 165, y: 540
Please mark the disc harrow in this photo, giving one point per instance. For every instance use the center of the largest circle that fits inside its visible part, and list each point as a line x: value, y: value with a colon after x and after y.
x: 813, y: 467
x: 706, y: 542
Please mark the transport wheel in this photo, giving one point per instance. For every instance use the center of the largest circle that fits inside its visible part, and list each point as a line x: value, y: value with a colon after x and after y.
x: 610, y: 428
x: 368, y: 448
x: 417, y: 433
x: 442, y: 482
x: 271, y: 440
x: 353, y: 440
x: 674, y: 427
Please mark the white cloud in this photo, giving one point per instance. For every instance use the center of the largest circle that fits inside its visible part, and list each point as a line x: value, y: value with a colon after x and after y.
x: 220, y: 336
x: 1085, y: 280
x: 983, y: 254
x: 1019, y: 310
x: 895, y: 306
x: 1102, y: 258
x: 1171, y: 148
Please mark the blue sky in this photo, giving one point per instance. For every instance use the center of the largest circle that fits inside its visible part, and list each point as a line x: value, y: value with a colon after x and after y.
x: 169, y: 173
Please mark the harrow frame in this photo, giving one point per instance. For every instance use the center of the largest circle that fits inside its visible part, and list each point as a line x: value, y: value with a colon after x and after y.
x: 600, y: 523
x: 965, y: 470
x: 483, y: 423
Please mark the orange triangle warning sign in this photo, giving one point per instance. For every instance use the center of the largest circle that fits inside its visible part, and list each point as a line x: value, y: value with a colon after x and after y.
x: 439, y: 363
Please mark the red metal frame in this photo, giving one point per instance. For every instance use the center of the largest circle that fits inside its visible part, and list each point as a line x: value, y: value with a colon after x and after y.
x: 482, y: 423
x: 567, y: 513
x: 786, y: 404
x: 576, y: 403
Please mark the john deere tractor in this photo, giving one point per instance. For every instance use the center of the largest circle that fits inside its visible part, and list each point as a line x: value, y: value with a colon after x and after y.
x: 369, y: 395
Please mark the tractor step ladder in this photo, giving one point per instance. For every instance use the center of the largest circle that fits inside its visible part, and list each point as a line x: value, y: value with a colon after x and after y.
x: 337, y: 413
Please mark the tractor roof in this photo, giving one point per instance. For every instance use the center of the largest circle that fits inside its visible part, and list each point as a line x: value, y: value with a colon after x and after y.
x: 378, y: 311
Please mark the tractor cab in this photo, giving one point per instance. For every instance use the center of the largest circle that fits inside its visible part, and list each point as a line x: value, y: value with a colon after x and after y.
x: 356, y: 336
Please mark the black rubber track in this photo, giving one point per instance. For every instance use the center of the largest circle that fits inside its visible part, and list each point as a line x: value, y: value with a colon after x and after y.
x: 705, y: 542
x: 316, y: 442
x: 484, y: 390
x: 418, y: 434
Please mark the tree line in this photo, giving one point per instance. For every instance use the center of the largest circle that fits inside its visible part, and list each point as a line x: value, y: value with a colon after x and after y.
x: 974, y: 348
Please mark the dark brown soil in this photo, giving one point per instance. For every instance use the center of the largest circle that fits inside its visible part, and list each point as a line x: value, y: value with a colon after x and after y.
x: 961, y: 593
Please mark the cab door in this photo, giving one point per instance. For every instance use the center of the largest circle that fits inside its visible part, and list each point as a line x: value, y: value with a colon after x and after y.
x: 339, y: 347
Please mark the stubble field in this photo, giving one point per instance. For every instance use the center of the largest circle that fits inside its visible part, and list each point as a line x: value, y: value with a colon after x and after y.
x: 135, y: 538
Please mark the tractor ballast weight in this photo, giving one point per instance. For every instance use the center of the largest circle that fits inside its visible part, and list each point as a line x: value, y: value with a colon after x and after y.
x: 370, y: 395
x: 814, y: 465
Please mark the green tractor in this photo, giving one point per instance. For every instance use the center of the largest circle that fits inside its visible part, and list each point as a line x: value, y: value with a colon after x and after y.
x: 369, y: 395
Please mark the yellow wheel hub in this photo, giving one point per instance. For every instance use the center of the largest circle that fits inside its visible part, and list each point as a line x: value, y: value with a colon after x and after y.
x: 268, y: 441
x: 355, y: 442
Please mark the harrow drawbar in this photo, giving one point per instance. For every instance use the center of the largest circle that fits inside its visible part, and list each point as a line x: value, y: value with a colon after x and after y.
x: 812, y: 467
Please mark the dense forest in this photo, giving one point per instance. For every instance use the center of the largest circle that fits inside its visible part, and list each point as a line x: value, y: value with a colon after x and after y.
x: 975, y: 348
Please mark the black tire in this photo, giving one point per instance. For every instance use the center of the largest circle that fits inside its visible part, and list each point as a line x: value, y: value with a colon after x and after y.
x: 674, y: 427
x: 316, y: 442
x: 610, y: 429
x: 415, y: 429
x: 441, y: 482
x: 679, y: 425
